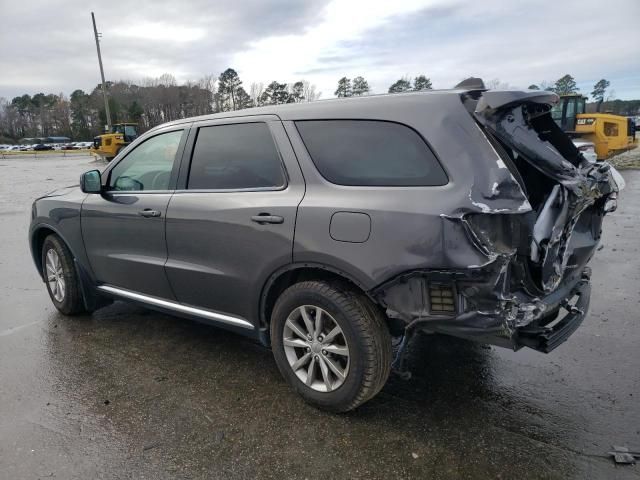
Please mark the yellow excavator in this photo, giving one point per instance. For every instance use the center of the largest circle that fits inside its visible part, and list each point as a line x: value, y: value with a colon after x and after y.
x: 109, y: 144
x: 610, y: 134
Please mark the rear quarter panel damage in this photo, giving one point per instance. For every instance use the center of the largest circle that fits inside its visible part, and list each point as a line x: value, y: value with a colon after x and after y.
x: 474, y: 233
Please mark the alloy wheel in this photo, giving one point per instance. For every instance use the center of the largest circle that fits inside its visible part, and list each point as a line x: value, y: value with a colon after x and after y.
x: 55, y: 275
x: 316, y: 348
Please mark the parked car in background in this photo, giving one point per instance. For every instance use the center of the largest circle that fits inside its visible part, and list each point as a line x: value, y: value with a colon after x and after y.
x: 42, y: 146
x: 323, y: 229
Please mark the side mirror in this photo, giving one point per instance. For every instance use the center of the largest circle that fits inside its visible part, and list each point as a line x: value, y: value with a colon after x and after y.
x: 91, y: 182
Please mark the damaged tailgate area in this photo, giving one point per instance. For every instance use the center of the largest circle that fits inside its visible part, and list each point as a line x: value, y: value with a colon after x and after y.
x: 534, y: 214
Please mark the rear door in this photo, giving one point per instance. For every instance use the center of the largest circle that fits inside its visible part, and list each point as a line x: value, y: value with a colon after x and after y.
x: 123, y: 228
x: 230, y: 224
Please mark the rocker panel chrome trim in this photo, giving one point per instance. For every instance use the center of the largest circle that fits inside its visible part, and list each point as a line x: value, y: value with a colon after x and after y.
x: 218, y: 317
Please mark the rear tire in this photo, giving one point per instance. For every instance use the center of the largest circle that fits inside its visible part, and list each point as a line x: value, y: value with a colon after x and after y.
x: 349, y: 367
x: 60, y: 276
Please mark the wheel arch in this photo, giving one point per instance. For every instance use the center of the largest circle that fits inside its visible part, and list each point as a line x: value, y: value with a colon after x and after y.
x: 87, y: 287
x: 286, y: 276
x: 38, y: 236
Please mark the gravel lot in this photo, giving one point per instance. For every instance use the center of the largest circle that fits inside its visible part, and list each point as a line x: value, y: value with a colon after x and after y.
x: 130, y: 393
x: 628, y: 159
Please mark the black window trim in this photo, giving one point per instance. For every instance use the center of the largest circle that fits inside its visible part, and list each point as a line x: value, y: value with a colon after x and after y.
x: 106, y: 175
x: 188, y: 156
x: 365, y: 119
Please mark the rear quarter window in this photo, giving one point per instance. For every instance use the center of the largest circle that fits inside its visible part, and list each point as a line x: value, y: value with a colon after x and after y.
x: 370, y: 153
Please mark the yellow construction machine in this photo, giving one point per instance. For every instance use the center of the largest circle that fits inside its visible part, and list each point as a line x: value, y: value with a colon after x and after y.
x: 610, y: 134
x: 109, y: 144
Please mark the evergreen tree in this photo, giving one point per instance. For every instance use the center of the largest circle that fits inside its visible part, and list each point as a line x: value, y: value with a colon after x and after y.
x: 422, y: 83
x: 344, y: 88
x: 275, y: 94
x: 296, y: 95
x: 533, y: 86
x: 243, y: 99
x: 228, y: 84
x: 135, y: 111
x: 565, y: 85
x: 402, y: 85
x: 360, y: 86
x: 80, y: 114
x: 599, y: 90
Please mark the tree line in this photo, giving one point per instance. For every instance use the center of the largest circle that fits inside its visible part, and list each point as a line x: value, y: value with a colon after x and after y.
x: 151, y: 102
x: 154, y: 101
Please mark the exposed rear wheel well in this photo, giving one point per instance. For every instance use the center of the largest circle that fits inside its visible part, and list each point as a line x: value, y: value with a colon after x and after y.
x: 288, y: 278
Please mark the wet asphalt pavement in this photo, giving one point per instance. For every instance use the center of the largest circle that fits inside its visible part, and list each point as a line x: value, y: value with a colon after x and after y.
x: 130, y: 393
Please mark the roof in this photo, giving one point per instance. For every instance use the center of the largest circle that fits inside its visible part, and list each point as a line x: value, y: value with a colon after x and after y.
x: 338, y: 107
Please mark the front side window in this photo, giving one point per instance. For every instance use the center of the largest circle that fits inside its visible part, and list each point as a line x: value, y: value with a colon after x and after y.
x: 236, y: 156
x: 370, y: 153
x: 148, y: 166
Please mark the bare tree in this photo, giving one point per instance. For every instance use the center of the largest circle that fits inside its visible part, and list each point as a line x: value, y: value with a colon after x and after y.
x: 497, y: 84
x: 255, y: 92
x: 309, y: 92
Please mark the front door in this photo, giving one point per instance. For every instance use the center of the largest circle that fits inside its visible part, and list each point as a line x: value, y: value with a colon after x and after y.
x: 230, y: 224
x: 123, y: 228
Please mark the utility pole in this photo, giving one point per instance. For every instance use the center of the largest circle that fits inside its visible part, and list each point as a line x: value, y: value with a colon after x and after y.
x: 104, y: 86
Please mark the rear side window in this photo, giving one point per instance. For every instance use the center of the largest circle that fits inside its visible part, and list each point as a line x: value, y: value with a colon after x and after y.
x: 236, y: 156
x: 374, y: 153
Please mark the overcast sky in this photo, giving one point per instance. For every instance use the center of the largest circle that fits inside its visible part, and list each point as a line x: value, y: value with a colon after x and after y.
x: 48, y: 45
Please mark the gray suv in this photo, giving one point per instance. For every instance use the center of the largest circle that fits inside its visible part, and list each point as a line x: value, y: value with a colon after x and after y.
x: 325, y: 229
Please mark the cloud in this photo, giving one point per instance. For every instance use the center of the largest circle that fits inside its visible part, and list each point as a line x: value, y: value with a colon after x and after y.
x: 48, y: 46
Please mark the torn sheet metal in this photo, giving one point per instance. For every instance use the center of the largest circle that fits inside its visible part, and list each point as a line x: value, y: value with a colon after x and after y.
x: 536, y: 139
x: 533, y: 255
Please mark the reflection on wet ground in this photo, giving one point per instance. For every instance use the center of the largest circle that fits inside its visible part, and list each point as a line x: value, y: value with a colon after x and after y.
x: 130, y: 393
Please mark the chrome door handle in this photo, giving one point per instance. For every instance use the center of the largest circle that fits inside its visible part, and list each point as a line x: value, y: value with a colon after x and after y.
x: 265, y: 218
x: 147, y: 212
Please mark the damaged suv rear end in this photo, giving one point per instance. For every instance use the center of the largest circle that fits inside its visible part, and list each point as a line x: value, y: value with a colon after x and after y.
x: 515, y: 248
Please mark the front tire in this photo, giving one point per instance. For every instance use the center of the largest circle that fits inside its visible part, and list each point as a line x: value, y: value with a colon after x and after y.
x: 60, y: 277
x: 331, y: 344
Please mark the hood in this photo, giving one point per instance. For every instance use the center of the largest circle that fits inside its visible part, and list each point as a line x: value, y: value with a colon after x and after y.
x: 60, y: 192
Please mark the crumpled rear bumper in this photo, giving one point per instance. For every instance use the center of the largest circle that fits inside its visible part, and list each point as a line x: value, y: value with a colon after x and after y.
x: 541, y: 323
x: 544, y: 335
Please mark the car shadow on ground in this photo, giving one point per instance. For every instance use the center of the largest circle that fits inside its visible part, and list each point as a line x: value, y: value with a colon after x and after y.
x: 157, y: 378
